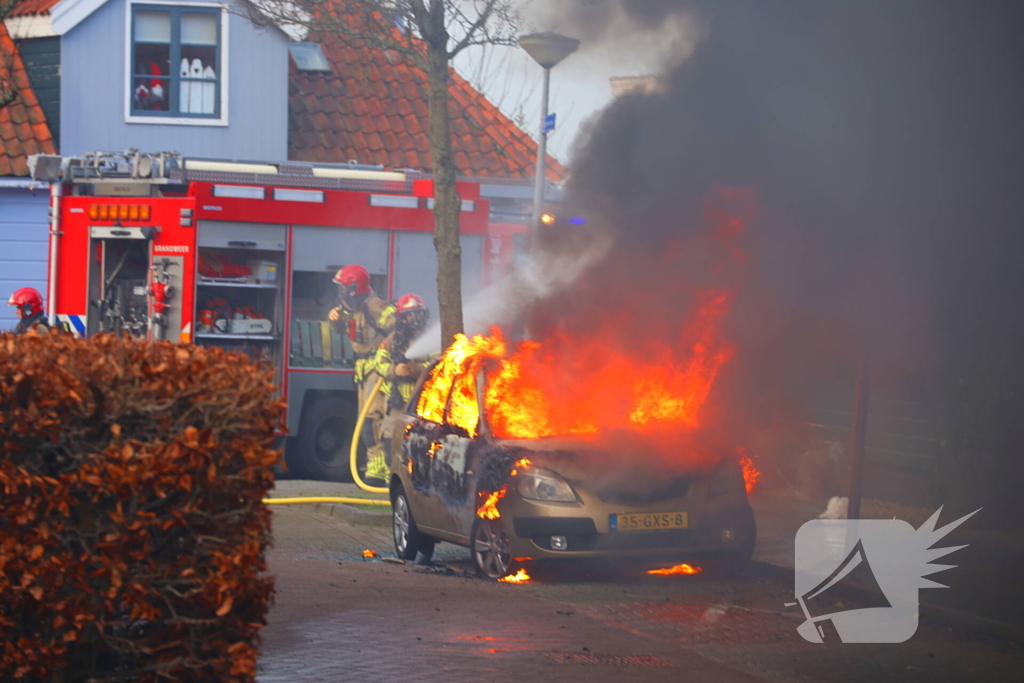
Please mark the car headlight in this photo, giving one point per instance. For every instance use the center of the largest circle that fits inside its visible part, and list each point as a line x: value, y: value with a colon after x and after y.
x: 727, y: 478
x: 539, y: 484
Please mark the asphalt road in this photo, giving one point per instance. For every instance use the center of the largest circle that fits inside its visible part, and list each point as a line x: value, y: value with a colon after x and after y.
x: 340, y: 618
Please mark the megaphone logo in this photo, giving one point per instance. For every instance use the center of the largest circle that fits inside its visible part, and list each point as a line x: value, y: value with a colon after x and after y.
x: 888, y: 556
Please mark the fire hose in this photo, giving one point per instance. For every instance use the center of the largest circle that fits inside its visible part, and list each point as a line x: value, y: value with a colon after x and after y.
x: 353, y: 453
x: 325, y: 499
x: 354, y: 450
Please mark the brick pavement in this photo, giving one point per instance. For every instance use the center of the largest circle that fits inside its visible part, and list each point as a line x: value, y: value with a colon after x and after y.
x: 338, y: 618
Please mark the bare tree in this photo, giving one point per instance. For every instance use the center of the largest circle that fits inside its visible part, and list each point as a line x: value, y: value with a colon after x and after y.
x: 427, y: 33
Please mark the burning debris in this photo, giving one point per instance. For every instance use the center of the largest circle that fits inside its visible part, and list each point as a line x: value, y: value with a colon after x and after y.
x: 677, y: 569
x: 519, y: 577
x: 369, y: 554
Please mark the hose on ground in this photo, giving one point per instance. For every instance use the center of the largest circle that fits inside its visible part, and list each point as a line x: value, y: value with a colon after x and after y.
x: 354, y: 450
x: 325, y: 499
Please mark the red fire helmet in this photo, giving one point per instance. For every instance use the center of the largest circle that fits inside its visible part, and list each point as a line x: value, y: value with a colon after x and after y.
x: 29, y: 301
x: 410, y: 302
x: 353, y: 275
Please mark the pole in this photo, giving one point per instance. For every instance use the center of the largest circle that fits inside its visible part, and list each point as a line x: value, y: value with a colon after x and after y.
x: 860, y: 429
x: 542, y: 150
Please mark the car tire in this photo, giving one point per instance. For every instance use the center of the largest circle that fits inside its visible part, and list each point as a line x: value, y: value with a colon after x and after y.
x: 325, y: 435
x: 408, y: 539
x: 489, y: 548
x: 735, y: 561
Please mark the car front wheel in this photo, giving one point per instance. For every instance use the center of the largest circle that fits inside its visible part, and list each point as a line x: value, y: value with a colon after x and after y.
x: 408, y: 539
x: 489, y: 548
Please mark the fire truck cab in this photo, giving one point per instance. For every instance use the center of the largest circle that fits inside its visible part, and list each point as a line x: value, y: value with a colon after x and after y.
x: 241, y: 255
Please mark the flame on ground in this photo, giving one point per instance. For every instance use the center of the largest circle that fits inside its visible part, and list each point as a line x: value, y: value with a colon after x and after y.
x: 678, y: 569
x: 369, y: 554
x: 519, y: 577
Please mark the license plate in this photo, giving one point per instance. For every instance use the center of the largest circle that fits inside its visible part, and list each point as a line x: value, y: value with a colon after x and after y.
x: 648, y: 521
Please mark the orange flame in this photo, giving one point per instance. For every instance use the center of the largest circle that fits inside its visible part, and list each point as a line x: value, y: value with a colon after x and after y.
x: 616, y: 378
x: 519, y: 577
x: 522, y: 462
x: 678, y: 569
x: 751, y: 475
x: 489, y: 508
x: 369, y: 554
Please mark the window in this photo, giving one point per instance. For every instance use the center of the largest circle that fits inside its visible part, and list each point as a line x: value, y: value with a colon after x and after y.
x: 309, y: 57
x: 176, y: 62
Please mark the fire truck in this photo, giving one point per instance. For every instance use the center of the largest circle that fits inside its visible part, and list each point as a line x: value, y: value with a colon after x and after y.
x: 241, y: 255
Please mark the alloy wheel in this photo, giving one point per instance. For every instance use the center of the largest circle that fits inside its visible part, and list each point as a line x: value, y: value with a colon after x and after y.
x: 401, y: 524
x: 490, y: 549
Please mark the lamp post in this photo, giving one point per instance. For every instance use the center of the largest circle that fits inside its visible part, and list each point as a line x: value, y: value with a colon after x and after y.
x: 547, y: 49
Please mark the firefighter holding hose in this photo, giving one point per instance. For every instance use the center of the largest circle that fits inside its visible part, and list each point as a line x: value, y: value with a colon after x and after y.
x: 31, y: 315
x: 366, y: 319
x: 400, y: 374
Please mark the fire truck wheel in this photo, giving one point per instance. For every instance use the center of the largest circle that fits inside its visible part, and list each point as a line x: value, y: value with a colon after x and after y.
x: 408, y: 539
x: 488, y: 546
x: 325, y: 433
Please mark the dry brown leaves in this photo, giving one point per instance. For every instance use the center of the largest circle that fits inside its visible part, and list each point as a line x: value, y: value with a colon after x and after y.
x: 132, y: 536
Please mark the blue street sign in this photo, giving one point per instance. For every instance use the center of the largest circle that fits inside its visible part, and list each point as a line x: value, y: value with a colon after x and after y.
x: 549, y: 122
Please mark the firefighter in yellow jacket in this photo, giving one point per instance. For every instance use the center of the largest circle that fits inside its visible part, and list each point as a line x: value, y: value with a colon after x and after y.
x: 399, y: 373
x: 366, y: 320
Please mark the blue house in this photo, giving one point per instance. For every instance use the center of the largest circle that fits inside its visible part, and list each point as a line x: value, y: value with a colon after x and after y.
x: 188, y: 76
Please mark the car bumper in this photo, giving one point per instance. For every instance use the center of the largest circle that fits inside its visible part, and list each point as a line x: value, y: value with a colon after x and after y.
x: 530, y: 528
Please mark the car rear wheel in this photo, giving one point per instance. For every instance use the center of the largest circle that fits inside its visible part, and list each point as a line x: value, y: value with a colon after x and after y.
x: 408, y: 539
x: 489, y: 548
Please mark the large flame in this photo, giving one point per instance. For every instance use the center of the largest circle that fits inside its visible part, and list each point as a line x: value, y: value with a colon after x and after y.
x: 628, y: 373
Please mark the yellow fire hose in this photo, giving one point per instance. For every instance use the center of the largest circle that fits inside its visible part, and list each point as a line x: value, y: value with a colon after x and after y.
x: 353, y: 453
x: 354, y: 450
x: 325, y: 499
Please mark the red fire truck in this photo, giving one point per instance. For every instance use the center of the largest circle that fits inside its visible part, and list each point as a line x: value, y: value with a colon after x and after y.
x: 241, y: 256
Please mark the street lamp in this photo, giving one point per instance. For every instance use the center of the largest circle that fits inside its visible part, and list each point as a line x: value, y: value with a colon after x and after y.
x: 547, y: 49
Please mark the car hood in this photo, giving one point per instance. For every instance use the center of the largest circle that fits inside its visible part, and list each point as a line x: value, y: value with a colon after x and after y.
x: 615, y: 477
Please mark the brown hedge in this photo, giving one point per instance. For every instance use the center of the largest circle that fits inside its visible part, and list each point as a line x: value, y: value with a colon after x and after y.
x: 132, y: 536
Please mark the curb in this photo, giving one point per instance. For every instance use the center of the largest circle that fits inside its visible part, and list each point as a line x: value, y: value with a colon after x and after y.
x: 944, y: 615
x: 348, y: 513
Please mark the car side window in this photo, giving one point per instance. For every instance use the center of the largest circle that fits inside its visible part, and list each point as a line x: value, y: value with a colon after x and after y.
x: 433, y: 396
x: 463, y: 409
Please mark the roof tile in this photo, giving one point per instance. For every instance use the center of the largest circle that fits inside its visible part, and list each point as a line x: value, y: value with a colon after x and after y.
x: 23, y: 129
x: 382, y: 112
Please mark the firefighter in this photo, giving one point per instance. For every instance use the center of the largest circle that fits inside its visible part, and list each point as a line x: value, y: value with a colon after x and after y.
x: 30, y: 310
x: 399, y: 373
x: 367, y: 320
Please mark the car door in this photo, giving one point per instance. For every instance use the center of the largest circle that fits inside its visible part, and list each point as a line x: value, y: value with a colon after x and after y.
x: 422, y: 432
x: 452, y: 465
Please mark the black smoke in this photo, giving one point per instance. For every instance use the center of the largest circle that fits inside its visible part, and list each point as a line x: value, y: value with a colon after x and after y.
x: 884, y: 143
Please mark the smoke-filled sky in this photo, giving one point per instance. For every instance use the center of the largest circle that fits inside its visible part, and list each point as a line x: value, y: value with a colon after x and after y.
x: 882, y: 142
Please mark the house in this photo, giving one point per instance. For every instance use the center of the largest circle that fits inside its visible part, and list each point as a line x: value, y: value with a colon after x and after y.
x: 24, y: 203
x: 195, y: 77
x: 371, y: 105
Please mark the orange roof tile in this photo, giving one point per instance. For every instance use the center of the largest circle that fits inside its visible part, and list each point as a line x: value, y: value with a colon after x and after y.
x: 23, y: 129
x: 384, y: 107
x: 29, y: 7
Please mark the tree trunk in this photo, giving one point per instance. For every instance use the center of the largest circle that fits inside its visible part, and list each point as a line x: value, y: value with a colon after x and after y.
x: 447, y: 203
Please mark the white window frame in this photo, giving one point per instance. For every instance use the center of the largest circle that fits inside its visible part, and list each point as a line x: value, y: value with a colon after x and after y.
x: 225, y: 71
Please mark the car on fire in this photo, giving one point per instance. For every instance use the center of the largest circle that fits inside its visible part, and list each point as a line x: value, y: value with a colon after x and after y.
x: 513, y: 500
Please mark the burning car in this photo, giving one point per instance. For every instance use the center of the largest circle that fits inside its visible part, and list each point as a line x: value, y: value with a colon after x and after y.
x: 462, y: 472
